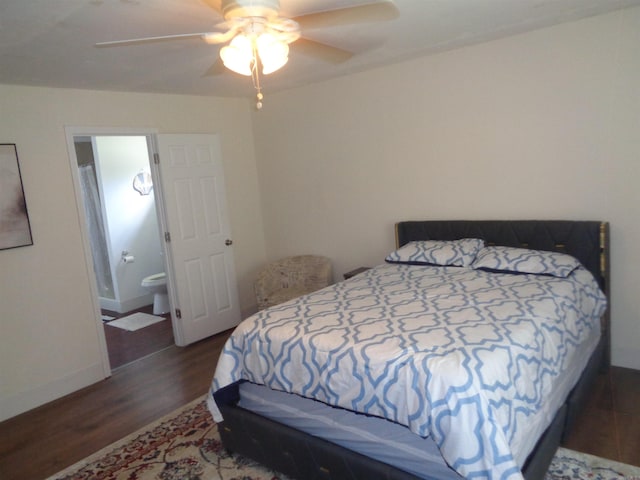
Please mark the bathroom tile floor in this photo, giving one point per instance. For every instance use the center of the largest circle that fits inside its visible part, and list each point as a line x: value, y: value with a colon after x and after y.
x: 125, y: 347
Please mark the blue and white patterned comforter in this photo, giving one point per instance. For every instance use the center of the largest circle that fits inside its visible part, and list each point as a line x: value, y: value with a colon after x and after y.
x: 479, y: 361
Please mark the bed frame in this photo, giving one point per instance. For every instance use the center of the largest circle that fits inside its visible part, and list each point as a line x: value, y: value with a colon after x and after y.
x: 306, y: 457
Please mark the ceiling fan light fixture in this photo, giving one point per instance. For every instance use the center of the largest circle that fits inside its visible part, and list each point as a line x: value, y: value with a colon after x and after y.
x: 273, y: 53
x: 259, y: 37
x: 238, y: 55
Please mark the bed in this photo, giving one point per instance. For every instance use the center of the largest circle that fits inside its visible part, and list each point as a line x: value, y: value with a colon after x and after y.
x: 402, y: 372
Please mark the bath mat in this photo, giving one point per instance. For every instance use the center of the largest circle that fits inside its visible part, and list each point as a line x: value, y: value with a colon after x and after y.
x: 136, y: 321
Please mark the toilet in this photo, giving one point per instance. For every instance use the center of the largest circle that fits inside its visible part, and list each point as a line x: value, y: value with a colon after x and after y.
x: 157, y: 284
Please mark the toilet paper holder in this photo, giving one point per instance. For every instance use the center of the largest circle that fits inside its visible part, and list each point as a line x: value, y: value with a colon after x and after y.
x: 127, y: 258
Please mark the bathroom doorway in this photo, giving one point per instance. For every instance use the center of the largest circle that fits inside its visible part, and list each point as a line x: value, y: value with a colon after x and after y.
x: 195, y: 235
x: 126, y: 245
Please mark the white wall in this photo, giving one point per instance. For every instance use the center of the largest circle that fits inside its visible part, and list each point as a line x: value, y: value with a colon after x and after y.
x: 48, y: 335
x: 541, y: 125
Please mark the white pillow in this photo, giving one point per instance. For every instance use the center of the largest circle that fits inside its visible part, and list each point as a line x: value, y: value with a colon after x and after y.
x: 459, y: 253
x: 522, y: 260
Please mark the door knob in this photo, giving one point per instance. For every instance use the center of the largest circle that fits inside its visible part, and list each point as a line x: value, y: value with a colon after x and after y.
x: 228, y: 242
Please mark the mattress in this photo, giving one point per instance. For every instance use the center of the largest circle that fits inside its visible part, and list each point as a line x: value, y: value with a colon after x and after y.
x: 373, y: 437
x: 424, y: 347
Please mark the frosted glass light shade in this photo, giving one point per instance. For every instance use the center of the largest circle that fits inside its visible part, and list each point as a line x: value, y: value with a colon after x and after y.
x: 273, y: 53
x: 238, y: 55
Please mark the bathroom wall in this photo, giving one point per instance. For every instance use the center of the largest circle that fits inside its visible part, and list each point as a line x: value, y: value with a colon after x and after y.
x: 131, y: 220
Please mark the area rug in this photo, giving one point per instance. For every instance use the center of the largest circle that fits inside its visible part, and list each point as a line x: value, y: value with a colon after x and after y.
x: 568, y: 464
x: 185, y: 445
x: 135, y: 321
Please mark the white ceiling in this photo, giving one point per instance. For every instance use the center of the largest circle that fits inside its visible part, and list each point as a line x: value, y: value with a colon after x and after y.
x: 51, y: 42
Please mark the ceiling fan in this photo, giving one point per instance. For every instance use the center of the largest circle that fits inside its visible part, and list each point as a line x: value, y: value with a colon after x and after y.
x: 258, y: 36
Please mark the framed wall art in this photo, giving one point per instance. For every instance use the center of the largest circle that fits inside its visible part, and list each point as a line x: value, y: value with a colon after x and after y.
x: 15, y: 230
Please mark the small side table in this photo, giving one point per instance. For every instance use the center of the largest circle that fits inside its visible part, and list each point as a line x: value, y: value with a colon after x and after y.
x: 355, y: 272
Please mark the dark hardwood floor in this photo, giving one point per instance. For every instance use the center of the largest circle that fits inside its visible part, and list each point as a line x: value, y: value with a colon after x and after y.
x: 41, y: 442
x: 609, y: 426
x: 45, y: 440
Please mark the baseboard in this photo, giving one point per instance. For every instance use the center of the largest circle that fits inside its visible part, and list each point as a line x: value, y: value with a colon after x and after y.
x: 126, y: 305
x: 626, y: 358
x: 109, y: 304
x: 13, y: 405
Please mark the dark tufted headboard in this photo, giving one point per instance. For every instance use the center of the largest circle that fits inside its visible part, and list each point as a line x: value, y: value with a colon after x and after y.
x: 585, y: 240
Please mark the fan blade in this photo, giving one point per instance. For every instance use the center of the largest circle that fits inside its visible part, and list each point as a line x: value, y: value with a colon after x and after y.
x: 217, y: 37
x: 371, y: 12
x: 215, y: 4
x: 162, y: 38
x: 321, y: 51
x: 216, y: 69
x: 232, y: 28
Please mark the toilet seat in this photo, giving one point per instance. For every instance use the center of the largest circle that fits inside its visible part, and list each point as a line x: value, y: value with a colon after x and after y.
x: 155, y: 280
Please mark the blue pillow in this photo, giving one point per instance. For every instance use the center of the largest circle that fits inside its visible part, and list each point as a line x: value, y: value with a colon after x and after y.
x: 458, y: 253
x: 522, y: 260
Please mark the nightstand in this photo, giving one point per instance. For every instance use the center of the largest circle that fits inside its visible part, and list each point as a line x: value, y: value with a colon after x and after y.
x: 355, y: 272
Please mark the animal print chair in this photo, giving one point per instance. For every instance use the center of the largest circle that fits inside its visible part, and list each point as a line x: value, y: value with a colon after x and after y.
x: 291, y: 277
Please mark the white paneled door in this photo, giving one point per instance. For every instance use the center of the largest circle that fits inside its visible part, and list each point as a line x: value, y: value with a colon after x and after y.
x: 199, y: 244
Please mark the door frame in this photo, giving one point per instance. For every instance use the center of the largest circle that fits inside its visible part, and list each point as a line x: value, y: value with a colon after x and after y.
x: 152, y: 147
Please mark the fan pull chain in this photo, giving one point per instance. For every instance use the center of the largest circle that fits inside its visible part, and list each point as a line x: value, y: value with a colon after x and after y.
x: 255, y: 76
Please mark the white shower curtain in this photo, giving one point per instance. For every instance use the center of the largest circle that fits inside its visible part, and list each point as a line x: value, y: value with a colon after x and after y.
x: 97, y: 237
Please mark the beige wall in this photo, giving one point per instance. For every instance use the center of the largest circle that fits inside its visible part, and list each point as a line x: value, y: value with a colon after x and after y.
x: 48, y: 336
x: 542, y: 125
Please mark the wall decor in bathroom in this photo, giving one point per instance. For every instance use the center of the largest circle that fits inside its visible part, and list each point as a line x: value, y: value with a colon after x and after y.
x: 15, y: 230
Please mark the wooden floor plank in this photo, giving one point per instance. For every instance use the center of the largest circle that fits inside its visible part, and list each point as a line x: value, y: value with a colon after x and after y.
x: 605, y: 428
x: 45, y: 440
